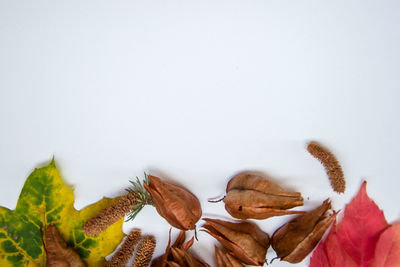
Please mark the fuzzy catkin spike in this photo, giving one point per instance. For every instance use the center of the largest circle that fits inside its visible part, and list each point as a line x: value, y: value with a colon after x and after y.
x: 110, y: 215
x: 125, y: 252
x: 331, y: 165
x: 144, y: 252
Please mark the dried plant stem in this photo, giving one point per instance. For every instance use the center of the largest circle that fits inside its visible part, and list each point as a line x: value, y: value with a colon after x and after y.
x: 110, y: 215
x: 125, y: 252
x: 331, y: 165
x: 144, y: 252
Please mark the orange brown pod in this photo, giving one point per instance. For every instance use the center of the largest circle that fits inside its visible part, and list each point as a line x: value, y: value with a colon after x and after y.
x: 294, y: 240
x: 250, y: 195
x: 245, y: 240
x: 178, y: 255
x: 225, y: 259
x: 174, y: 203
x: 58, y: 252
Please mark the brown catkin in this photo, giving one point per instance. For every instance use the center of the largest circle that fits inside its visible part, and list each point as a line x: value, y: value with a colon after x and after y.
x: 331, y: 165
x: 110, y: 215
x: 144, y: 252
x: 125, y: 252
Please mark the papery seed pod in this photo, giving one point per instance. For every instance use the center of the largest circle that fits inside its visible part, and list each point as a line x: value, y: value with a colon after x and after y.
x: 294, y: 240
x: 177, y: 205
x: 144, y: 252
x: 245, y: 240
x: 58, y: 253
x: 225, y: 259
x: 125, y: 252
x: 177, y: 254
x: 252, y: 196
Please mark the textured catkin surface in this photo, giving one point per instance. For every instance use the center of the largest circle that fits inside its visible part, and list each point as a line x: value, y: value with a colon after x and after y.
x: 331, y: 165
x: 144, y: 252
x: 109, y: 215
x: 125, y: 252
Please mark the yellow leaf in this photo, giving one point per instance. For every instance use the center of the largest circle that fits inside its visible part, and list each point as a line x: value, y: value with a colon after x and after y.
x: 44, y: 200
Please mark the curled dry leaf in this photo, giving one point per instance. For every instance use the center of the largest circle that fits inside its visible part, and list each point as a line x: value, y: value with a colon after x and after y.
x: 245, y: 240
x: 252, y: 196
x: 58, y: 253
x: 294, y: 240
x: 174, y: 203
x: 225, y: 259
x: 178, y: 255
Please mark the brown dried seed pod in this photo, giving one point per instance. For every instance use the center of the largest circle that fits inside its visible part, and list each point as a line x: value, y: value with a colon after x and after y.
x: 174, y: 203
x: 125, y: 252
x: 225, y: 259
x: 331, y: 165
x: 245, y: 240
x: 144, y: 252
x: 294, y: 240
x: 250, y: 195
x: 110, y: 215
x: 178, y: 255
x: 58, y: 253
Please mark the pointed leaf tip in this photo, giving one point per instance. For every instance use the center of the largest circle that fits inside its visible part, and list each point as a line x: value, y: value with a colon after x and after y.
x: 52, y: 162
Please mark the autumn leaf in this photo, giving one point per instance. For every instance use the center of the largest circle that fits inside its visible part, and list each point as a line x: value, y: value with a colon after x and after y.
x: 46, y: 200
x: 352, y: 242
x: 330, y: 253
x: 387, y: 251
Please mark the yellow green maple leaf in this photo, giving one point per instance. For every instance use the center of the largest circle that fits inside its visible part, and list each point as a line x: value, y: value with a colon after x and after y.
x: 45, y: 200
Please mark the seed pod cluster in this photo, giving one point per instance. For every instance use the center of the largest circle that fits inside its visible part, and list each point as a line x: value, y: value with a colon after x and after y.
x: 251, y: 196
x: 178, y: 254
x: 174, y: 203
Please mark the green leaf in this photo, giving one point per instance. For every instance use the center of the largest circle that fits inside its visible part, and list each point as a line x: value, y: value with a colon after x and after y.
x: 45, y: 200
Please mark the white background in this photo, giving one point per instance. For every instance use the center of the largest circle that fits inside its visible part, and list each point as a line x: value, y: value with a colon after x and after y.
x: 197, y: 91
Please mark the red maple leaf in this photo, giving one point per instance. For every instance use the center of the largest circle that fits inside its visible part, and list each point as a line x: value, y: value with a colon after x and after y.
x: 353, y: 241
x: 387, y: 251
